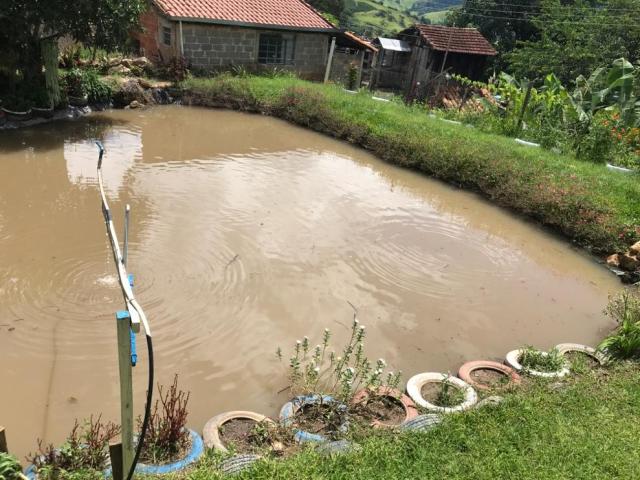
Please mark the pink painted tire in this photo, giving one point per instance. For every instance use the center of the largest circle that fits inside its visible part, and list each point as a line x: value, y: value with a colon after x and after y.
x: 211, y: 431
x: 465, y: 373
x: 410, y: 409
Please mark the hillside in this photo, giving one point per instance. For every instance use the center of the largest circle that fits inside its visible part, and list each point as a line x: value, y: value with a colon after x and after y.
x: 372, y: 18
x: 387, y: 17
x: 420, y: 7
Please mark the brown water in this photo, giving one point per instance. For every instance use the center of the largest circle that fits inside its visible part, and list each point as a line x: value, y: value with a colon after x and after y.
x: 248, y: 233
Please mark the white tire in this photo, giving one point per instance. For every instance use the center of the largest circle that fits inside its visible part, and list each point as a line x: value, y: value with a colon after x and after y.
x: 587, y: 350
x: 415, y: 384
x: 211, y: 431
x: 513, y: 360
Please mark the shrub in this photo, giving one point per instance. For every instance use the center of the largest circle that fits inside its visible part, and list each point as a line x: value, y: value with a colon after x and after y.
x: 86, y: 449
x: 166, y: 438
x: 624, y: 342
x: 80, y: 83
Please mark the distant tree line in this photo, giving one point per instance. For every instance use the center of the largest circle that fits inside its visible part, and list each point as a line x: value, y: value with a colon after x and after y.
x: 569, y: 38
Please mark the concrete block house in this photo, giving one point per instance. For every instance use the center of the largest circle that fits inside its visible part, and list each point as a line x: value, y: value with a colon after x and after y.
x: 217, y: 34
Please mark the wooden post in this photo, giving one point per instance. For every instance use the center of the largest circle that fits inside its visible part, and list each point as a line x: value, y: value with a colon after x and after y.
x: 181, y: 42
x: 327, y: 72
x: 3, y: 441
x: 359, y: 79
x: 123, y: 321
x: 115, y: 453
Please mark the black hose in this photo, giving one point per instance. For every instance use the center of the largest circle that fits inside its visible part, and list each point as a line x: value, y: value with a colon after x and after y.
x: 147, y: 410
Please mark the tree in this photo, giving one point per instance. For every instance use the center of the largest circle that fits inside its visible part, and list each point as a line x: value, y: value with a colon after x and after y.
x: 503, y: 22
x: 26, y: 24
x: 577, y: 38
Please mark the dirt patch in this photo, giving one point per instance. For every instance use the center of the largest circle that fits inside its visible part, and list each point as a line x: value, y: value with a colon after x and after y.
x: 319, y: 419
x: 384, y: 409
x: 490, y: 377
x: 440, y: 395
x: 240, y: 434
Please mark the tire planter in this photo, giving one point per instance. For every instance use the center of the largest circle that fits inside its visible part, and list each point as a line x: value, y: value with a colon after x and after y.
x: 78, y: 101
x: 211, y: 431
x: 410, y: 410
x: 422, y: 422
x: 599, y: 357
x: 289, y: 410
x: 194, y: 453
x: 238, y: 463
x: 468, y: 368
x: 415, y: 384
x: 42, y: 112
x: 513, y: 360
x: 17, y: 116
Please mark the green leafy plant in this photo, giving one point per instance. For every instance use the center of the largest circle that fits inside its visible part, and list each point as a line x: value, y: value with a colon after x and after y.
x: 624, y: 342
x: 9, y: 467
x: 533, y: 359
x: 449, y: 395
x: 167, y: 436
x: 85, y: 449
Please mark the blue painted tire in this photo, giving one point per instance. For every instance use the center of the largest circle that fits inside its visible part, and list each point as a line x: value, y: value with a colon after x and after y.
x: 197, y: 449
x: 288, y: 411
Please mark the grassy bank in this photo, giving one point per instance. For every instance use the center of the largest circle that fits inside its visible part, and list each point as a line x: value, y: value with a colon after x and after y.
x: 593, y: 206
x: 586, y: 427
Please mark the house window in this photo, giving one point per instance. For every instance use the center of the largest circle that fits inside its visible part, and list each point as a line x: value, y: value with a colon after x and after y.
x: 166, y: 35
x: 276, y: 49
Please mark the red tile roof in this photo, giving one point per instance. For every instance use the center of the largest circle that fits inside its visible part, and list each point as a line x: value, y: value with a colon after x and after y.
x: 281, y: 13
x: 454, y: 39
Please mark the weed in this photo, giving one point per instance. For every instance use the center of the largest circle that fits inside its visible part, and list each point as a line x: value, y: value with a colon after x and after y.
x: 449, y: 395
x: 624, y: 342
x: 533, y: 359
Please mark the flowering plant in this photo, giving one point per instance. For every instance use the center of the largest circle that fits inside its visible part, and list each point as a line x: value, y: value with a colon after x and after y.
x: 322, y: 371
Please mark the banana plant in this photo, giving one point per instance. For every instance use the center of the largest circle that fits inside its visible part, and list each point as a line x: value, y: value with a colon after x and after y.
x: 613, y: 88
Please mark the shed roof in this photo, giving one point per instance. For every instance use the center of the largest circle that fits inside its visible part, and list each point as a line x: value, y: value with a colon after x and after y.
x: 359, y: 42
x: 290, y: 14
x: 394, y: 44
x: 455, y: 39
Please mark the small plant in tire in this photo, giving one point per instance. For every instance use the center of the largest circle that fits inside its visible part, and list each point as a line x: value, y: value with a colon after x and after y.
x: 533, y: 359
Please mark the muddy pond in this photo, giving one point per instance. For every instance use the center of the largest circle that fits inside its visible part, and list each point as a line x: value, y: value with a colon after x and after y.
x: 248, y: 233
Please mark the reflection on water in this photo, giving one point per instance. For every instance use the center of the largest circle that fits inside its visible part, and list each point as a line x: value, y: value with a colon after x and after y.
x: 248, y: 233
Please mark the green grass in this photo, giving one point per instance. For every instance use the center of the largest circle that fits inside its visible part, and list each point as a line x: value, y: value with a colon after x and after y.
x: 587, y: 427
x: 596, y: 208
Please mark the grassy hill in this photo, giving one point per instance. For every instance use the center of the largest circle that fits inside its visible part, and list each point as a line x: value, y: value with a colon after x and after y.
x: 373, y: 18
x: 387, y: 17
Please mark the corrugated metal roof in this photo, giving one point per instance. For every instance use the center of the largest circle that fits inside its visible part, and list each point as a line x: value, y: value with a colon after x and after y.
x: 394, y: 44
x: 285, y: 13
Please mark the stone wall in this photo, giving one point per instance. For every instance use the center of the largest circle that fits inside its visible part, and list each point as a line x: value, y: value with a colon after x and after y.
x: 216, y: 47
